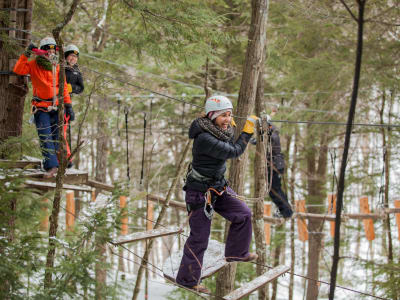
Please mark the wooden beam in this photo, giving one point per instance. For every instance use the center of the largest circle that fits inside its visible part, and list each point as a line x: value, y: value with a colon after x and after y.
x: 138, y: 236
x: 52, y: 185
x: 301, y: 223
x: 100, y: 185
x: 267, y: 227
x: 368, y: 223
x: 70, y: 211
x: 19, y: 164
x: 365, y: 216
x: 256, y: 283
x: 176, y: 204
x: 397, y: 205
x: 72, y: 176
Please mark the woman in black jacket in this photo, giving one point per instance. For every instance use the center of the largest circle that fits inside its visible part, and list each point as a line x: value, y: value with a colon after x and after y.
x: 72, y: 72
x: 207, y: 190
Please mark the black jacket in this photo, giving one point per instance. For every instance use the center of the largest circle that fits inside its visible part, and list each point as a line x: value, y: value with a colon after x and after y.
x: 74, y: 77
x: 210, y: 155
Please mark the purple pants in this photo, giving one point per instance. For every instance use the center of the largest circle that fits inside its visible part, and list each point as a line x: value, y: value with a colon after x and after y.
x: 237, y: 243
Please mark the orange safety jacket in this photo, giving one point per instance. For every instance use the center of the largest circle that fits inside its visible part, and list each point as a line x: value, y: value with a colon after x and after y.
x: 42, y: 81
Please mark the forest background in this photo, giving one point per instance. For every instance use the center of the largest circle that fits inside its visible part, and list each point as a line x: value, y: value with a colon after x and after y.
x: 145, y: 66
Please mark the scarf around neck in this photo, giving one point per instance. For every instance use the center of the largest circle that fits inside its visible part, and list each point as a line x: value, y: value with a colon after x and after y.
x: 44, y: 63
x: 223, y: 135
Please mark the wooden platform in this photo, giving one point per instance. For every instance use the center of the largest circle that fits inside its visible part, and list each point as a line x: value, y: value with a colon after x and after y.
x: 150, y: 234
x: 214, y: 260
x: 256, y: 283
x: 42, y: 185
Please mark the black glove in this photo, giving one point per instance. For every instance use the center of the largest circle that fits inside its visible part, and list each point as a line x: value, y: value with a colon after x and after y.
x: 28, y: 51
x: 69, y: 112
x: 253, y: 141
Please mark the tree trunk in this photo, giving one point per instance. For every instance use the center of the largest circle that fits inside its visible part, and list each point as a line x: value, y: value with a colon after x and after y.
x: 247, y: 95
x: 316, y: 170
x: 259, y: 192
x: 101, y: 176
x: 352, y: 110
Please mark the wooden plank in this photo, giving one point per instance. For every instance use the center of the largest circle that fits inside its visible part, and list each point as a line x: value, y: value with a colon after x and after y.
x: 44, y: 221
x: 301, y: 223
x: 332, y: 210
x: 213, y: 261
x: 150, y: 215
x: 19, y: 164
x: 267, y: 227
x: 256, y: 283
x: 323, y: 217
x: 397, y: 205
x: 138, y: 236
x: 176, y: 204
x: 365, y: 216
x: 72, y: 176
x: 70, y: 211
x: 100, y: 185
x: 368, y: 223
x: 43, y: 185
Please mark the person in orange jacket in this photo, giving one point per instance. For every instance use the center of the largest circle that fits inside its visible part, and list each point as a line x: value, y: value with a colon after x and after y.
x: 43, y: 108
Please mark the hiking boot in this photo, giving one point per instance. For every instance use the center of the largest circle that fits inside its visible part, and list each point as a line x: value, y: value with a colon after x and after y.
x: 50, y: 173
x: 200, y: 289
x: 250, y: 257
x: 288, y: 214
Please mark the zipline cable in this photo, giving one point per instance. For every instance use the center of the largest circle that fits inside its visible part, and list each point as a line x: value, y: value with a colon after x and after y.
x: 236, y: 116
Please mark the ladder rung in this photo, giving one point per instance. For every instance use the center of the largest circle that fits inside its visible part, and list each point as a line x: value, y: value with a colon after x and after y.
x: 137, y: 236
x: 256, y: 283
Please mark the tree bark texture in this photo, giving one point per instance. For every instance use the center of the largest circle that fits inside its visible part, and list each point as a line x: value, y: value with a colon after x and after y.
x: 350, y: 119
x: 247, y: 95
x: 316, y: 180
x: 259, y: 192
x: 53, y: 220
x: 102, y: 143
x: 13, y: 89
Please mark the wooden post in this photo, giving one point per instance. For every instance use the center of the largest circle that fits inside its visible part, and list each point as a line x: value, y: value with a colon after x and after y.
x: 93, y: 195
x: 397, y: 205
x: 368, y: 223
x: 267, y: 226
x: 124, y: 218
x: 44, y: 222
x: 301, y: 223
x: 150, y: 215
x: 70, y: 211
x: 332, y: 211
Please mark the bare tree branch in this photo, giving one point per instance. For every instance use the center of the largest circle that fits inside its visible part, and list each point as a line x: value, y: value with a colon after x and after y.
x: 349, y: 10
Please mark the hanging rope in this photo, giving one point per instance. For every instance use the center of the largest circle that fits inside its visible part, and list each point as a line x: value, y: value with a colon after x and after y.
x: 144, y: 147
x: 382, y: 187
x: 118, y: 113
x: 127, y: 143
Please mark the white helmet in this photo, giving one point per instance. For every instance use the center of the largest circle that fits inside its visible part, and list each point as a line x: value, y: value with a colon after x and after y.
x: 217, y: 103
x: 71, y: 49
x: 48, y: 43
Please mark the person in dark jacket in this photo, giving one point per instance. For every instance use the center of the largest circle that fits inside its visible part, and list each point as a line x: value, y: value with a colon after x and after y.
x: 207, y: 190
x: 275, y: 170
x: 72, y: 72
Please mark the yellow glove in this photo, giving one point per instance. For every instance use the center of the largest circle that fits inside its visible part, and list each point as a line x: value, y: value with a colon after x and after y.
x: 69, y: 88
x: 233, y: 124
x: 250, y: 124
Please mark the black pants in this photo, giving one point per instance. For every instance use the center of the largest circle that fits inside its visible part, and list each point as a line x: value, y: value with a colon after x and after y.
x: 277, y: 195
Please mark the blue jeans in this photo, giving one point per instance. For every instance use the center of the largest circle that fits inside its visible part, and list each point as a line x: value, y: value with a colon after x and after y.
x: 46, y: 125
